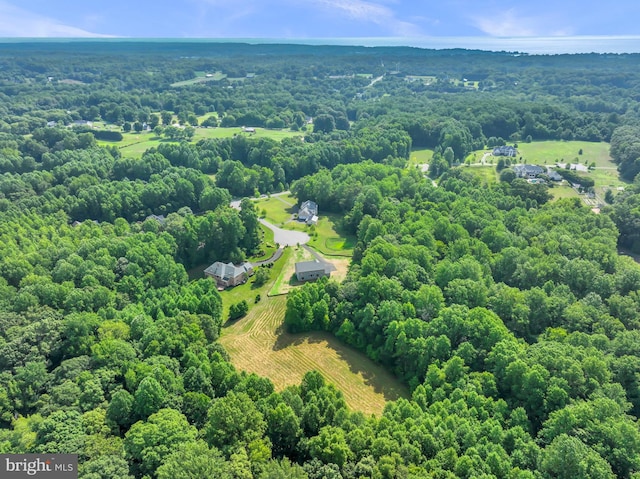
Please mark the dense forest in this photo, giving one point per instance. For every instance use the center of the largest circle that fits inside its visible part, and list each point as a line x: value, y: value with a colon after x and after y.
x: 513, y: 319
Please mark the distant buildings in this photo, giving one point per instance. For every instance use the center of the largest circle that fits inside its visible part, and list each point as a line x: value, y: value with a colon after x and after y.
x: 308, y: 212
x: 227, y: 275
x: 312, y: 270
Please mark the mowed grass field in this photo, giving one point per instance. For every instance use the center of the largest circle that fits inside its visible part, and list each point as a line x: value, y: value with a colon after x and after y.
x: 605, y: 174
x: 487, y: 174
x: 286, y: 279
x: 277, y: 210
x: 258, y: 344
x: 133, y: 145
x: 201, y: 77
x: 329, y: 239
x: 550, y: 152
x: 420, y: 156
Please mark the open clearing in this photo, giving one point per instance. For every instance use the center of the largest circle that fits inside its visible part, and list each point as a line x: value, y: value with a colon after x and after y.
x: 487, y: 174
x: 277, y: 210
x: 420, y: 156
x: 133, y: 145
x: 329, y: 239
x: 550, y: 152
x: 258, y: 344
x: 201, y: 77
x: 326, y: 237
x: 286, y: 280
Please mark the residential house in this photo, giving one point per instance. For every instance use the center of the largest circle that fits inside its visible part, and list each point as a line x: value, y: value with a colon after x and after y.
x: 159, y: 218
x: 312, y: 270
x: 579, y: 167
x: 528, y: 171
x: 308, y: 212
x: 553, y: 174
x: 506, y: 150
x: 227, y: 275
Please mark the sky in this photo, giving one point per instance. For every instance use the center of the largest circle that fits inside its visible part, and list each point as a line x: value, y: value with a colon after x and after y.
x: 299, y: 19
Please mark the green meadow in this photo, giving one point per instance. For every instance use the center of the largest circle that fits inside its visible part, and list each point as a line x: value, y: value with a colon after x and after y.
x: 134, y: 144
x: 550, y: 152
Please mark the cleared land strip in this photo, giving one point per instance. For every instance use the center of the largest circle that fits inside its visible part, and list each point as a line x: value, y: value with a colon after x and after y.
x: 258, y: 344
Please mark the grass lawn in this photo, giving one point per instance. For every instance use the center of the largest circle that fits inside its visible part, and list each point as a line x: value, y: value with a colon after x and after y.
x: 268, y: 245
x: 248, y: 292
x: 136, y: 150
x: 563, y: 191
x: 258, y: 344
x: 329, y: 239
x: 278, y: 209
x: 286, y: 279
x: 202, y: 118
x: 420, y: 156
x: 326, y: 236
x: 605, y: 178
x: 133, y: 145
x: 219, y: 132
x: 487, y: 174
x: 550, y: 152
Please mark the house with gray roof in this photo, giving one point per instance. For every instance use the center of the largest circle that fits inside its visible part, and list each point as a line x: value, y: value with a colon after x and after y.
x: 528, y: 171
x: 312, y: 270
x: 553, y: 174
x: 308, y: 212
x: 228, y: 274
x: 506, y: 150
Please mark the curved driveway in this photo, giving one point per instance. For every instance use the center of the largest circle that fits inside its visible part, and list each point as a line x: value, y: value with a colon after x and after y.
x: 286, y: 237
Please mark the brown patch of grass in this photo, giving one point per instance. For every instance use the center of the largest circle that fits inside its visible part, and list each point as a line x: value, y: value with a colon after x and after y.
x: 258, y: 344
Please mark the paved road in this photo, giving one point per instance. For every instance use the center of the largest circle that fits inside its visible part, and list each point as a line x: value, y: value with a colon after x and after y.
x: 280, y: 236
x: 320, y: 258
x: 274, y: 257
x: 286, y: 237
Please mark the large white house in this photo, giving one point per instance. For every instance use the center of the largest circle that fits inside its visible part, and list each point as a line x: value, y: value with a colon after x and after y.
x: 308, y: 212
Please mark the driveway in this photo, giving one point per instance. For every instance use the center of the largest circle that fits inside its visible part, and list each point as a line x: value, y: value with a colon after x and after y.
x: 286, y: 237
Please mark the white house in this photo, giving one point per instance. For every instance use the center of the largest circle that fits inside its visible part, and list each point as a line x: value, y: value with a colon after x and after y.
x: 308, y: 212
